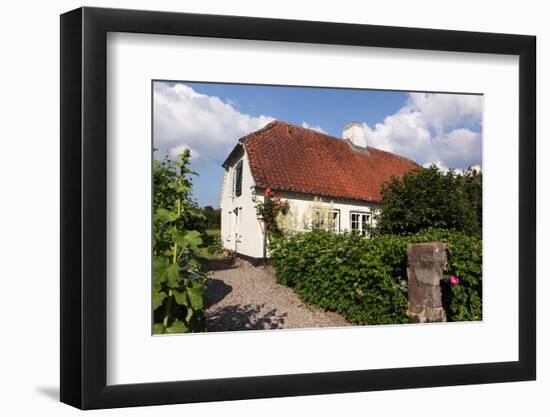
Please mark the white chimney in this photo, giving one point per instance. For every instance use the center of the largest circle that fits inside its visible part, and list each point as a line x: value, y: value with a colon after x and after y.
x: 355, y: 133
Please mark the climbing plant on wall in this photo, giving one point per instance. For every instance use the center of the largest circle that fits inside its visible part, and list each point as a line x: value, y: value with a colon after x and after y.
x: 268, y: 209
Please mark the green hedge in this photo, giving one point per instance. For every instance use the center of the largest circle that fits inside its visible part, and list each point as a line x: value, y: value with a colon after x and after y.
x: 365, y: 280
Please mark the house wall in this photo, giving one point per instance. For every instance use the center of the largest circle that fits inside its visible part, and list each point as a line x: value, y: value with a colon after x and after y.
x: 301, y: 207
x: 242, y: 232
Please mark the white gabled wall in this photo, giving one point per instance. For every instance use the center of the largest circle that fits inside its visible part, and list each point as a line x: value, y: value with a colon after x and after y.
x: 243, y: 232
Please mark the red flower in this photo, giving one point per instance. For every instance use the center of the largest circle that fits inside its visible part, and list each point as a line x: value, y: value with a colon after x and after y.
x: 267, y: 192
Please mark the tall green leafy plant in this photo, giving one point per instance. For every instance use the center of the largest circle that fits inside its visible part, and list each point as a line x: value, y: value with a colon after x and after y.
x: 179, y: 284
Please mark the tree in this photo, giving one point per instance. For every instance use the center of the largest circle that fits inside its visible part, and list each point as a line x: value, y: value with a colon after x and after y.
x: 212, y: 216
x: 426, y: 198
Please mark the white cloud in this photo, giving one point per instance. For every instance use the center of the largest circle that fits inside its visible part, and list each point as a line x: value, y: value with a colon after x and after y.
x: 174, y: 152
x: 316, y: 128
x: 433, y: 129
x: 438, y: 164
x: 207, y: 125
x: 446, y: 110
x: 476, y: 167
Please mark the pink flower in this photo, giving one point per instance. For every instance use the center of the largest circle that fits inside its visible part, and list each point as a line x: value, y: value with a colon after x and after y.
x: 454, y: 280
x: 268, y: 191
x: 277, y: 199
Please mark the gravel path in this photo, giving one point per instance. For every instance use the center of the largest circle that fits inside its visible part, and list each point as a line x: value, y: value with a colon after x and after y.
x: 249, y: 298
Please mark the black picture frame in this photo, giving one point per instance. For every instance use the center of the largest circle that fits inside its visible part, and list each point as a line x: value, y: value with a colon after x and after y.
x: 84, y: 207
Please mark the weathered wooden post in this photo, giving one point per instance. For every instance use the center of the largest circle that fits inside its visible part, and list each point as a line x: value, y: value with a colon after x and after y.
x: 426, y: 263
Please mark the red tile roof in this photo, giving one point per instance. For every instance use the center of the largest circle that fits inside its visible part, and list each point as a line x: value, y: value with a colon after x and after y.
x: 292, y: 158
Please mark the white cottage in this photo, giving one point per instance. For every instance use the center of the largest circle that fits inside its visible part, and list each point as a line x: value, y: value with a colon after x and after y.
x: 315, y: 172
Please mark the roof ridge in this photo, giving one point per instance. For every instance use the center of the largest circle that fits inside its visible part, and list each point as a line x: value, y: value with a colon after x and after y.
x: 392, y: 154
x: 275, y: 122
x: 307, y: 128
x: 267, y: 127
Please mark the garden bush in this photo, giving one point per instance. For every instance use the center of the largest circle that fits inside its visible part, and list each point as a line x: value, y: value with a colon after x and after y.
x: 365, y: 280
x: 428, y: 197
x: 215, y: 246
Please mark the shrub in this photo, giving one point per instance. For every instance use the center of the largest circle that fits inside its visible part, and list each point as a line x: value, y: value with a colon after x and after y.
x: 365, y: 280
x: 215, y: 247
x: 345, y: 273
x: 429, y: 198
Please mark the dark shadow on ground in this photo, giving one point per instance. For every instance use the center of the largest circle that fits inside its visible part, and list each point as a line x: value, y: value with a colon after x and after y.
x: 220, y: 264
x: 217, y: 290
x: 247, y: 317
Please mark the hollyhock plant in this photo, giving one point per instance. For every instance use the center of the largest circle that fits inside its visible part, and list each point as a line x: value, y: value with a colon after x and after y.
x: 454, y: 280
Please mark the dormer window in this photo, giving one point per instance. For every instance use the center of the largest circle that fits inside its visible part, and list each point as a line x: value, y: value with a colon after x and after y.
x: 238, y: 179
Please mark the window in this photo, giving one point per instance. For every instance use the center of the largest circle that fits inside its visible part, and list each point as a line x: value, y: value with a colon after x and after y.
x: 326, y: 219
x: 360, y: 223
x: 238, y: 183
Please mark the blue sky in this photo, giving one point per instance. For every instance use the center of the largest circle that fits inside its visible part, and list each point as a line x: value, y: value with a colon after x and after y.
x: 208, y: 118
x: 330, y: 108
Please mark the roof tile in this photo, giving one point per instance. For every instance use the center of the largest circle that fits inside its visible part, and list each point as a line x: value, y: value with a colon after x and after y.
x: 292, y: 158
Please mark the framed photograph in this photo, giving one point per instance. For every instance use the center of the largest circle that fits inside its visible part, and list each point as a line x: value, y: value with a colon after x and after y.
x: 259, y: 208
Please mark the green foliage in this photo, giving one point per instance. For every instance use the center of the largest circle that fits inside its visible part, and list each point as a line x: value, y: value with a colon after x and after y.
x: 365, y: 280
x: 426, y: 198
x: 215, y: 247
x: 179, y: 285
x: 211, y: 244
x: 213, y: 217
x: 344, y: 273
x: 465, y: 259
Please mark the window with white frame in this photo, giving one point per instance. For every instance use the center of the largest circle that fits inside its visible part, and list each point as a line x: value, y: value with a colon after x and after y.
x: 326, y: 219
x: 360, y: 223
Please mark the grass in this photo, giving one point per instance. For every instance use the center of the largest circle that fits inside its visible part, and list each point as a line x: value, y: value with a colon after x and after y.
x: 203, y: 251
